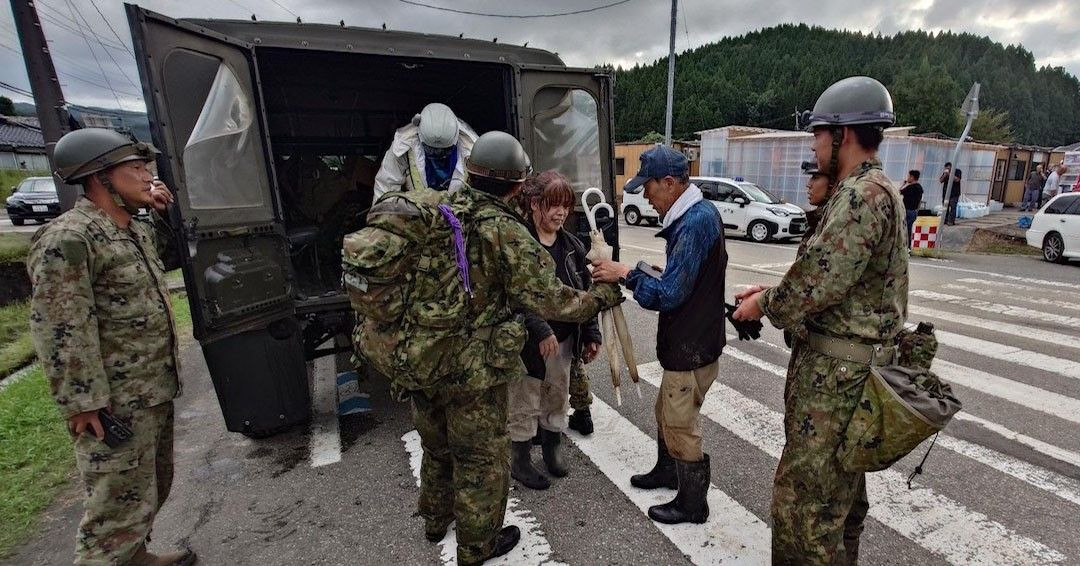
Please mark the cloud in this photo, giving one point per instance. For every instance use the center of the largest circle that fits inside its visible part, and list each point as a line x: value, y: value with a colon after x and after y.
x: 635, y: 32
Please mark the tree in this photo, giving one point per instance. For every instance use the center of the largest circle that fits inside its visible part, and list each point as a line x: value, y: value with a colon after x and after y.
x: 927, y: 97
x: 992, y: 125
x: 651, y: 137
x: 7, y: 107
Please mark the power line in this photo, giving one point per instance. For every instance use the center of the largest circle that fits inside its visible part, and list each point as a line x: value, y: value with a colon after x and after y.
x: 107, y: 24
x: 69, y: 24
x: 107, y: 52
x: 16, y: 89
x: 72, y: 74
x: 96, y: 60
x: 282, y: 6
x: 518, y: 16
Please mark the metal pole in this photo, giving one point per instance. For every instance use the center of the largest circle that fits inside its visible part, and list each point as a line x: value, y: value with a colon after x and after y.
x: 48, y: 96
x: 970, y: 109
x: 670, y: 76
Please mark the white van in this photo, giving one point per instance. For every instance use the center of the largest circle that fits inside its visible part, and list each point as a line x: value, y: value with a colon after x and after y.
x: 635, y: 209
x: 751, y: 211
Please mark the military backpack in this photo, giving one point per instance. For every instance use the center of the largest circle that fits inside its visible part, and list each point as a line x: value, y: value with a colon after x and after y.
x: 407, y: 277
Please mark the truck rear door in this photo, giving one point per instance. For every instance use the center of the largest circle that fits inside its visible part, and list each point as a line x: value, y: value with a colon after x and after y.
x: 565, y: 123
x: 205, y: 109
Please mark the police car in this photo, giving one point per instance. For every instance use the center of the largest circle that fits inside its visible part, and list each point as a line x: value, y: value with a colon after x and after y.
x: 751, y: 211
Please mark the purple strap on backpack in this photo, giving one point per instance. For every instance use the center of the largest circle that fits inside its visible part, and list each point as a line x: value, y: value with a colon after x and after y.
x: 459, y: 246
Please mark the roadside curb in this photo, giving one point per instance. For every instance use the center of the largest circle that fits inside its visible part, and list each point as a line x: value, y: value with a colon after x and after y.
x: 18, y: 375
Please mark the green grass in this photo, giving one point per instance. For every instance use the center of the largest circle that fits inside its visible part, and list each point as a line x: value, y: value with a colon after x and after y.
x: 13, y: 246
x: 12, y: 177
x: 182, y: 315
x: 15, y: 348
x: 36, y: 459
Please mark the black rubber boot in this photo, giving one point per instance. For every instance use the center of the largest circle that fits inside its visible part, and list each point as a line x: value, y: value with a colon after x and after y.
x: 537, y: 439
x: 663, y: 473
x: 435, y: 531
x: 505, y: 541
x: 522, y: 469
x: 581, y: 421
x: 552, y: 450
x: 690, y: 504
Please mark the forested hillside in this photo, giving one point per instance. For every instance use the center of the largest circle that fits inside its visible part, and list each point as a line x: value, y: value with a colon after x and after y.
x: 759, y: 79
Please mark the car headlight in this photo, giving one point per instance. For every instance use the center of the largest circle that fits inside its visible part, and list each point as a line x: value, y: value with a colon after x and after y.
x: 779, y: 212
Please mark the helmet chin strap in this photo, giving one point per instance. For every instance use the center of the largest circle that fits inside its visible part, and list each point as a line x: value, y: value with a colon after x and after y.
x: 834, y: 157
x: 105, y: 182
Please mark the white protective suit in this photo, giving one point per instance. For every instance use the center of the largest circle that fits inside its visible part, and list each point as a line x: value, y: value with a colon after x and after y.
x: 395, y: 174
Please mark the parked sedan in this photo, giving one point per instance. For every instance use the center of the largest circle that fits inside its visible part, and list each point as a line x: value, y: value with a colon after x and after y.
x: 34, y: 199
x: 1055, y: 229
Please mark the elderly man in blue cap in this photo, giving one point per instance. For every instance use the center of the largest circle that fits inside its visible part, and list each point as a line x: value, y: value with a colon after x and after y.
x: 689, y: 293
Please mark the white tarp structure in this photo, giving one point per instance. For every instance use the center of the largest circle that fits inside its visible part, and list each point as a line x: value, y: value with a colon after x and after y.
x: 772, y: 158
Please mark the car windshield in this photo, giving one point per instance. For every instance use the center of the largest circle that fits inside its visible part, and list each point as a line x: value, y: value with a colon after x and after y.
x: 759, y: 194
x: 37, y: 186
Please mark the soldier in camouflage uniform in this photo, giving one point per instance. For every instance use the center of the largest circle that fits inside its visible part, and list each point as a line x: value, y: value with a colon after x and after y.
x: 102, y: 325
x: 845, y: 299
x: 464, y: 475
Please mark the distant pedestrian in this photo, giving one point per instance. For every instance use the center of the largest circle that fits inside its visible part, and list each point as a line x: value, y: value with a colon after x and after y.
x: 1050, y: 189
x: 1032, y: 187
x: 912, y: 193
x: 944, y: 180
x: 954, y: 198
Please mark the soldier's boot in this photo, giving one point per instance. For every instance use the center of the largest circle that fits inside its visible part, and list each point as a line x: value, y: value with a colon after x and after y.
x: 435, y: 530
x: 505, y: 541
x: 663, y: 473
x: 581, y: 421
x: 690, y: 504
x: 522, y: 468
x: 183, y: 557
x: 552, y: 451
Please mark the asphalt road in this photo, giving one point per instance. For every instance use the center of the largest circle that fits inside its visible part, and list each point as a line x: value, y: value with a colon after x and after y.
x: 1001, y: 487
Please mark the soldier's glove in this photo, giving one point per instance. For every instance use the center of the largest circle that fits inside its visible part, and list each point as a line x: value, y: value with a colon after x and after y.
x: 747, y: 329
x: 609, y: 294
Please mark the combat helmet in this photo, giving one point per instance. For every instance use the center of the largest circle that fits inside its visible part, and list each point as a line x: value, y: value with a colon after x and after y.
x: 499, y: 156
x: 853, y: 101
x: 84, y: 152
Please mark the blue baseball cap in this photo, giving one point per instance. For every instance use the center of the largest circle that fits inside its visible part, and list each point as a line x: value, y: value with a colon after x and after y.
x: 657, y: 163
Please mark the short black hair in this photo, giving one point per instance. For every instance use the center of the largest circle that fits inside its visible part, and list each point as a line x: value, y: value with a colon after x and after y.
x: 958, y: 174
x: 496, y: 187
x: 869, y: 136
x: 948, y: 163
x: 915, y: 174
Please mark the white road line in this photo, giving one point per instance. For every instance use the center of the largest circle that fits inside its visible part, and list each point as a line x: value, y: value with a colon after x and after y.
x: 1016, y: 286
x: 935, y: 522
x: 738, y: 266
x: 1002, y: 276
x: 732, y: 535
x: 996, y: 308
x: 1006, y: 353
x: 1013, y: 330
x: 533, y: 548
x: 1054, y: 404
x: 1055, y: 452
x: 783, y: 264
x: 325, y: 446
x: 1002, y: 295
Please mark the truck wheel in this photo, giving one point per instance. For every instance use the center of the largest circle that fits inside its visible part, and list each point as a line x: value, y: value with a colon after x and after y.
x: 1054, y: 248
x: 758, y: 231
x: 632, y: 216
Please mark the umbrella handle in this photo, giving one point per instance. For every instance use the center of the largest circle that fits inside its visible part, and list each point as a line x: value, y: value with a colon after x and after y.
x: 590, y: 211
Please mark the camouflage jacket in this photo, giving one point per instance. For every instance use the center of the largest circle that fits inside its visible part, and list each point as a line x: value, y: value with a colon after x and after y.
x: 510, y: 271
x: 850, y: 278
x: 100, y: 316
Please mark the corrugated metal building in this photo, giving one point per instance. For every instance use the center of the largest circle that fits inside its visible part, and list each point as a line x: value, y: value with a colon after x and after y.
x: 772, y: 159
x: 21, y: 144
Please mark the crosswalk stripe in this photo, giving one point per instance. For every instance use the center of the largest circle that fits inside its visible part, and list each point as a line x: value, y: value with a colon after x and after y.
x: 533, y: 548
x: 1037, y: 300
x: 1029, y: 396
x: 732, y: 535
x: 996, y: 308
x: 1028, y: 280
x: 1027, y: 288
x: 1006, y: 353
x: 325, y: 443
x: 1015, y: 330
x: 1032, y: 474
x: 934, y: 521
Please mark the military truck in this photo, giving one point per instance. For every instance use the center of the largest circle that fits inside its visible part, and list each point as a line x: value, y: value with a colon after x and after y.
x: 270, y: 135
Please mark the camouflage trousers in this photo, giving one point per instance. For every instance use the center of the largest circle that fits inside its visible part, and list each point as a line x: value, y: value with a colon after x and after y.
x: 125, y: 487
x: 818, y: 509
x: 465, y: 471
x: 580, y: 397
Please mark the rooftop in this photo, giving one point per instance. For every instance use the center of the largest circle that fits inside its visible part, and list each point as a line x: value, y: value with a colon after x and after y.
x: 20, y: 132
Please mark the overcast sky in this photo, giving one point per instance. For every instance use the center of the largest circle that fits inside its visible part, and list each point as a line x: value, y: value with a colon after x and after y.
x: 635, y: 31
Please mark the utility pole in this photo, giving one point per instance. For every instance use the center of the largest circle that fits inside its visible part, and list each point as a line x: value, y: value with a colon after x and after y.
x: 48, y: 97
x: 670, y: 76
